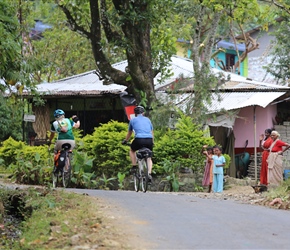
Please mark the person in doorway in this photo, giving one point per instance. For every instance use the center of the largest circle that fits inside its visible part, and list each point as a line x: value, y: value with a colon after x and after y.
x: 208, y: 168
x: 143, y: 130
x: 275, y: 159
x: 63, y: 128
x: 265, y: 143
x: 218, y: 171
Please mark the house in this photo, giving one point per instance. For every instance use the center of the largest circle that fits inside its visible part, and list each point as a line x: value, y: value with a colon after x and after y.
x: 252, y: 106
x: 226, y: 56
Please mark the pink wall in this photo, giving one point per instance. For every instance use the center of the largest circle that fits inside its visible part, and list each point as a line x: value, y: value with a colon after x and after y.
x: 244, y: 125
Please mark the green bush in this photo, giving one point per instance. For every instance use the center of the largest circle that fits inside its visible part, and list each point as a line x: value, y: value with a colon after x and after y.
x: 183, y: 144
x: 9, y: 150
x: 32, y: 165
x: 110, y: 156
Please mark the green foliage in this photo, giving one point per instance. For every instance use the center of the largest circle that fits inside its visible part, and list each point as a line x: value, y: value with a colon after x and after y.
x: 171, y: 169
x: 9, y: 150
x: 82, y: 174
x: 228, y: 161
x: 11, y: 110
x: 31, y: 166
x: 279, y: 65
x: 121, y: 178
x: 182, y: 144
x: 282, y: 191
x: 104, y: 182
x: 110, y: 156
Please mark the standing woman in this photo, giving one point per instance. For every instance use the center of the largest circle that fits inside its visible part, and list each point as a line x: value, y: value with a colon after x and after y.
x: 265, y: 143
x: 275, y: 159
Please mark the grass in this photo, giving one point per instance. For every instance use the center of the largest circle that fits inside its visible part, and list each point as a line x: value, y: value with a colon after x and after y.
x: 61, y: 220
x: 282, y: 191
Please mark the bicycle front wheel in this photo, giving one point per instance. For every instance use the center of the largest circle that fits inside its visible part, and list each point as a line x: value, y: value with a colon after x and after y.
x: 66, y: 175
x: 54, y: 179
x: 144, y: 176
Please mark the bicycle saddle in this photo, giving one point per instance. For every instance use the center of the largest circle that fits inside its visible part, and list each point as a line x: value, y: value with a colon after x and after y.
x: 66, y: 146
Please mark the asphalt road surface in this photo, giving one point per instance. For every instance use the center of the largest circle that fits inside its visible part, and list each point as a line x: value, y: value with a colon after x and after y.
x: 183, y: 221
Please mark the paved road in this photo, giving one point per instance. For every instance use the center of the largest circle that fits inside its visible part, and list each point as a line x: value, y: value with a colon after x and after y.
x: 183, y: 221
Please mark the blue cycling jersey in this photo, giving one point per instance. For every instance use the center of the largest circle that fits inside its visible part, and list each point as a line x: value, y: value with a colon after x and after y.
x: 141, y: 126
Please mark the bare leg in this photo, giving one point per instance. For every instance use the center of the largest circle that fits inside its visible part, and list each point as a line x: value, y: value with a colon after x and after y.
x: 149, y: 163
x: 133, y: 157
x: 209, y: 188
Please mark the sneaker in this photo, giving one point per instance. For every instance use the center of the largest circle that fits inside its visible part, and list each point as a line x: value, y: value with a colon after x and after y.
x: 133, y: 170
x: 149, y: 178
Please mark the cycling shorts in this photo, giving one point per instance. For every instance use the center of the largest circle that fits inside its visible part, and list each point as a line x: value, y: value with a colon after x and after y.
x: 139, y: 143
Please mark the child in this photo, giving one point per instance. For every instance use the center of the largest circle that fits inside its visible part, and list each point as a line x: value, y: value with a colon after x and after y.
x: 218, y: 171
x: 207, y: 177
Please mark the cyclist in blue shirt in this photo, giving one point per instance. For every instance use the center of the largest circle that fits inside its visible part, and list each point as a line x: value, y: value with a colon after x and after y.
x: 143, y: 130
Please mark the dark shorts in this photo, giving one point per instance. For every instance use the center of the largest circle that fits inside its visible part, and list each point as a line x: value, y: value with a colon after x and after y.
x: 142, y: 143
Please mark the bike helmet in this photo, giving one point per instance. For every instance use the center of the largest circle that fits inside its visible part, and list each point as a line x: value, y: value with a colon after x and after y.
x: 57, y: 113
x: 139, y: 110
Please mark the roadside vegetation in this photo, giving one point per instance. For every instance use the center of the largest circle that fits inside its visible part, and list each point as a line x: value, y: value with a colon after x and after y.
x: 54, y: 219
x: 100, y: 161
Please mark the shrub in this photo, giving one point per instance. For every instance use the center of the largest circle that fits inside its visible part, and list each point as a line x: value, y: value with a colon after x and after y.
x: 32, y: 165
x: 110, y: 156
x: 183, y: 144
x: 9, y: 150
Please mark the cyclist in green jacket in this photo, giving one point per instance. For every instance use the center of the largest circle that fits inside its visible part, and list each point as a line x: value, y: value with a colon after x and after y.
x: 63, y: 128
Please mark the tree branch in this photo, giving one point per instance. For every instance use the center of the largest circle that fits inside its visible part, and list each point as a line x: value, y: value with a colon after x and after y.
x: 72, y: 22
x: 111, y: 35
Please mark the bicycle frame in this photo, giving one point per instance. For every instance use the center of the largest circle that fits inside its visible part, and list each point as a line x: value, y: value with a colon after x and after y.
x: 63, y: 172
x: 141, y: 176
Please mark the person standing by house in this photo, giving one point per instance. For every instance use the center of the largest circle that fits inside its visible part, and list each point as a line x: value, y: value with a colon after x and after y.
x: 63, y: 128
x: 275, y: 159
x: 143, y: 130
x: 265, y: 143
x: 208, y: 168
x: 218, y: 171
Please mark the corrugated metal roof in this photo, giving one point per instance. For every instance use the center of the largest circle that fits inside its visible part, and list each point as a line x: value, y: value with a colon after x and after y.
x: 226, y: 101
x: 88, y: 83
x: 236, y: 100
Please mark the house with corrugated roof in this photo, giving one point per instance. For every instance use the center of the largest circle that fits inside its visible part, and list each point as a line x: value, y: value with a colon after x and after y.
x: 225, y: 58
x: 252, y: 104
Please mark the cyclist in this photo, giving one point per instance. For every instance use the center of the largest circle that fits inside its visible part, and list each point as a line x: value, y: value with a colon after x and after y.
x: 144, y: 137
x: 63, y: 127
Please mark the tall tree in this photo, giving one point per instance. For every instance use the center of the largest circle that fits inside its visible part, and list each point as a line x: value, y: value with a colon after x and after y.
x: 127, y: 25
x: 207, y: 19
x: 280, y: 51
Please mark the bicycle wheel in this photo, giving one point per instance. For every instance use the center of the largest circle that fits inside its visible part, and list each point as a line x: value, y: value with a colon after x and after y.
x: 144, y: 176
x: 55, y: 175
x: 66, y: 174
x: 136, y: 179
x: 54, y: 180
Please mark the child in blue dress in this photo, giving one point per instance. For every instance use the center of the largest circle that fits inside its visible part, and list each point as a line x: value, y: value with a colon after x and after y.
x: 218, y: 170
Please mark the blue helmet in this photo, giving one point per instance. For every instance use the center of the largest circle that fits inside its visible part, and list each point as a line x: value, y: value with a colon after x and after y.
x: 57, y: 113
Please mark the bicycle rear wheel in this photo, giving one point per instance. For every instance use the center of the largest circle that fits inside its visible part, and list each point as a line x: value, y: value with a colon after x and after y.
x: 144, y: 176
x: 136, y: 179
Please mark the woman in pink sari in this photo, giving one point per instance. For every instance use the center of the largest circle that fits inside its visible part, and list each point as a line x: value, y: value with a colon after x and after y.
x: 265, y: 143
x: 208, y: 176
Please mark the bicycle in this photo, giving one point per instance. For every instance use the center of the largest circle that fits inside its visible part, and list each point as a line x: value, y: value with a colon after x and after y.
x: 140, y: 177
x: 63, y: 172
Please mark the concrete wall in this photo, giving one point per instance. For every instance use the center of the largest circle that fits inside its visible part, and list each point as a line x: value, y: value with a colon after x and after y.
x: 244, y: 126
